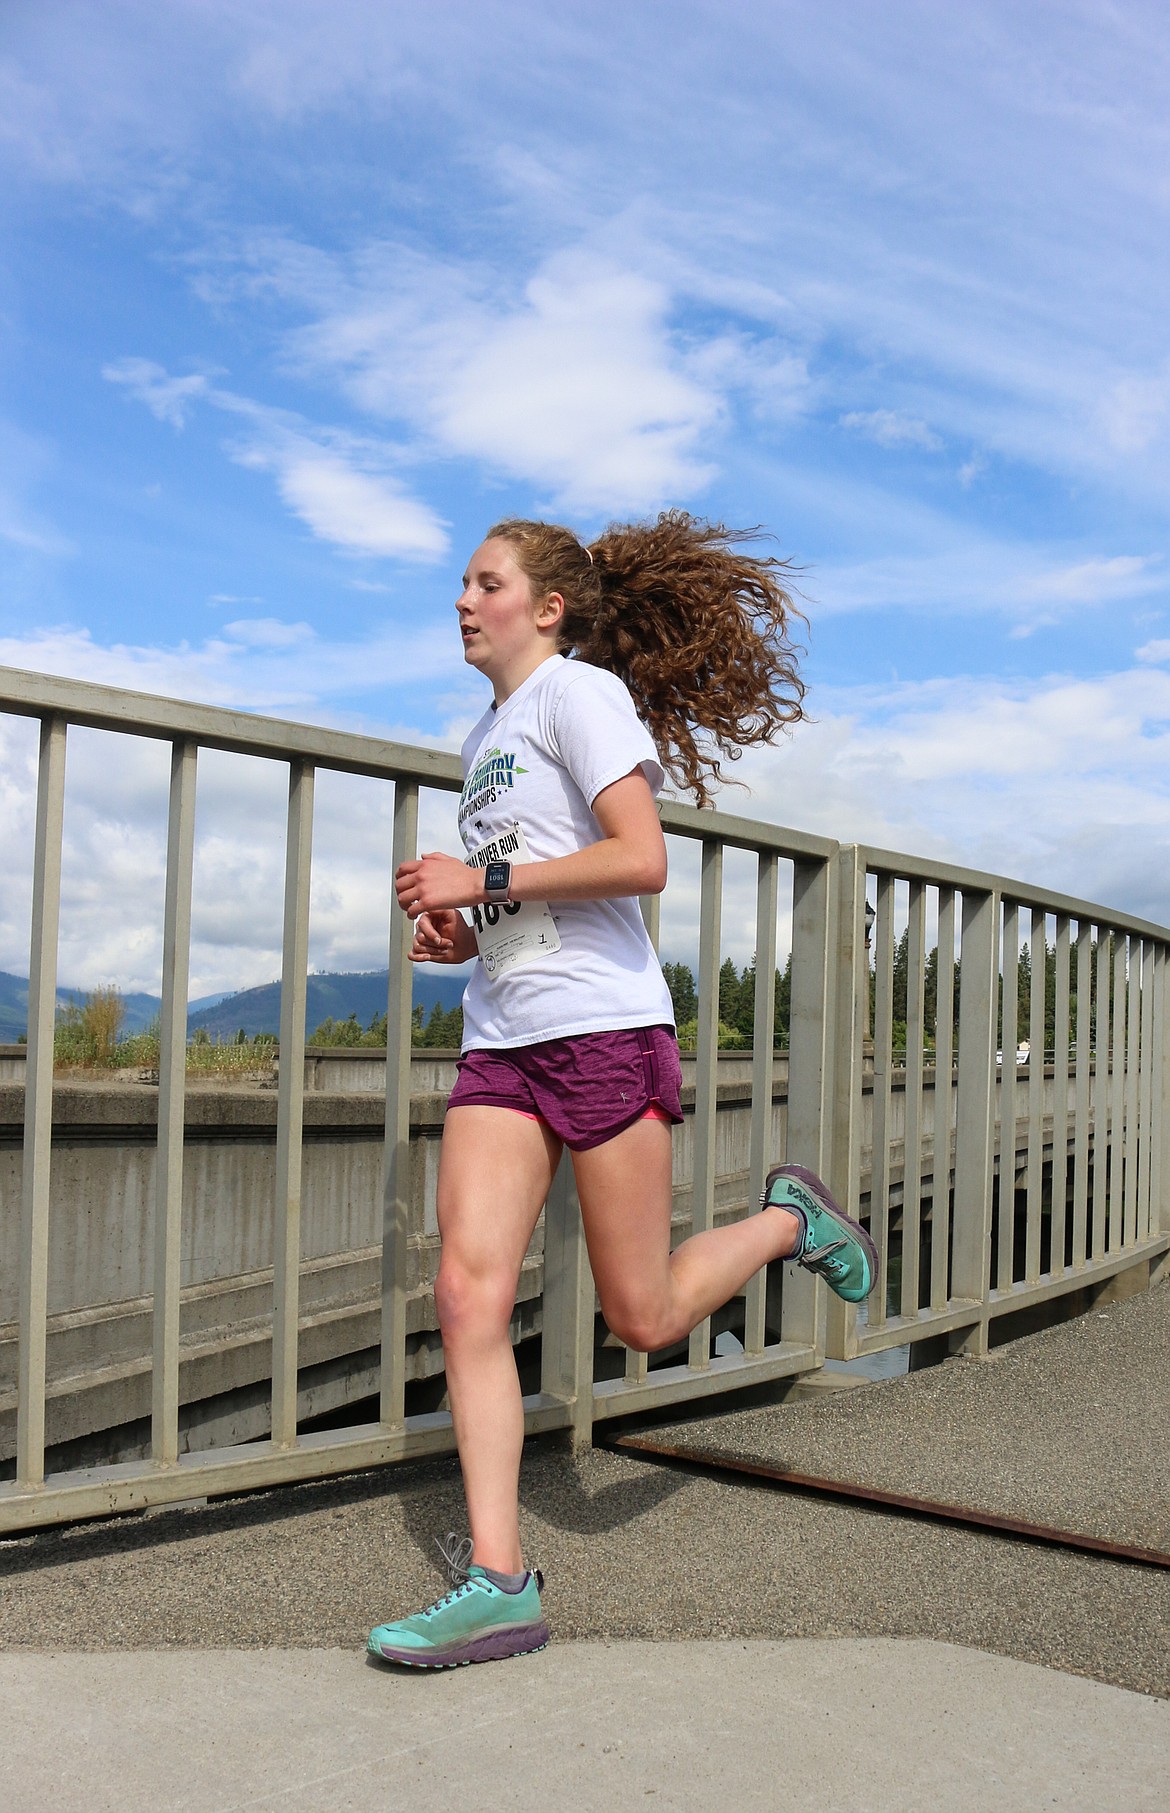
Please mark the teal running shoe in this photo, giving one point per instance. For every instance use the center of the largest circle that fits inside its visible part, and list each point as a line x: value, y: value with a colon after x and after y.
x: 833, y: 1245
x: 477, y: 1621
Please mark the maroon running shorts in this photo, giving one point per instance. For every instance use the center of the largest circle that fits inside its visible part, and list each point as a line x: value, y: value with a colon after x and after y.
x: 587, y: 1089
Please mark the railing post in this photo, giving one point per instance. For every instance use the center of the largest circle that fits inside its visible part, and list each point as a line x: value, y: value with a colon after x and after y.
x: 1134, y: 986
x: 811, y: 1064
x: 1060, y: 1084
x: 847, y: 1003
x: 1102, y: 1096
x: 882, y: 1099
x: 396, y: 1174
x: 1084, y: 1083
x: 638, y: 1364
x: 172, y: 1083
x: 706, y: 1070
x: 761, y: 1147
x: 291, y: 1105
x: 1008, y: 1080
x: 1160, y: 1179
x: 975, y: 1131
x: 944, y: 1070
x: 566, y: 1341
x: 1038, y: 988
x: 1146, y: 1093
x: 913, y: 1140
x: 38, y: 1105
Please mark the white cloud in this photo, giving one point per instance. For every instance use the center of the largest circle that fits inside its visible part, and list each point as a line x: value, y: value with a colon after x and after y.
x: 268, y: 632
x: 1022, y: 585
x: 362, y: 512
x: 1097, y: 581
x: 1136, y: 410
x: 577, y: 385
x: 1158, y: 650
x: 892, y: 428
x: 336, y: 483
x: 166, y: 397
x: 256, y: 664
x: 878, y: 185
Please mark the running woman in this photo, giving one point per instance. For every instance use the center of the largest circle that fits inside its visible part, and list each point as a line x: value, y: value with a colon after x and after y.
x: 607, y: 664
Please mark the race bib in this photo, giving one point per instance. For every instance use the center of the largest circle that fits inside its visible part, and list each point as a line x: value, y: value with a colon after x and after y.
x: 522, y: 931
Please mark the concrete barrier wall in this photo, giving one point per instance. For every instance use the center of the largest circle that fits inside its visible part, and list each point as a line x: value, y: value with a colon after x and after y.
x: 104, y: 1173
x: 101, y: 1227
x: 103, y: 1182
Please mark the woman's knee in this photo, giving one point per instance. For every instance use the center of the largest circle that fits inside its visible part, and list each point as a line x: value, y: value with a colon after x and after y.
x: 643, y: 1326
x: 472, y: 1298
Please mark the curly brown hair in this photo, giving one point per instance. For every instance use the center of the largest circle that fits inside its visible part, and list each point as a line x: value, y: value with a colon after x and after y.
x: 695, y: 627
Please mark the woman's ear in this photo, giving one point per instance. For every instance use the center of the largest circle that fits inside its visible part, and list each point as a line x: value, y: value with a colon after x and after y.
x: 551, y: 611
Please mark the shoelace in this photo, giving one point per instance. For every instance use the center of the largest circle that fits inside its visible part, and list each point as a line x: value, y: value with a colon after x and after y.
x: 456, y: 1551
x: 821, y: 1258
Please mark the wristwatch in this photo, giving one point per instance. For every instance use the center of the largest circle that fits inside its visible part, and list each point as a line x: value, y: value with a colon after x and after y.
x: 497, y: 880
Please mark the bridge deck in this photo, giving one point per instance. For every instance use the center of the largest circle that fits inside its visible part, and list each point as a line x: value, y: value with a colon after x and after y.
x: 1069, y: 1426
x: 1067, y: 1429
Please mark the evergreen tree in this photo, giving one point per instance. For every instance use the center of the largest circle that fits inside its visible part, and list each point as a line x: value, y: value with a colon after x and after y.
x: 730, y: 993
x: 902, y: 980
x: 744, y: 1019
x: 443, y: 1030
x: 684, y: 998
x: 782, y: 1016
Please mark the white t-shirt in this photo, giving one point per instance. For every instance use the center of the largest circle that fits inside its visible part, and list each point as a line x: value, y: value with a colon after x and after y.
x: 532, y: 770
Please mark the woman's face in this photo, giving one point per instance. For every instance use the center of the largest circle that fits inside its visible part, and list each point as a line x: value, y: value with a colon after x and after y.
x: 503, y: 628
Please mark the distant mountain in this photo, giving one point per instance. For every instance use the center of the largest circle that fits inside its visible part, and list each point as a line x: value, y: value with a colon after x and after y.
x: 13, y: 1007
x: 140, y: 1009
x: 199, y: 1002
x: 362, y: 993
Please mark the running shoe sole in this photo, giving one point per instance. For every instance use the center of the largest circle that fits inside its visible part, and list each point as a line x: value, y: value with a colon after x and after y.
x: 493, y: 1646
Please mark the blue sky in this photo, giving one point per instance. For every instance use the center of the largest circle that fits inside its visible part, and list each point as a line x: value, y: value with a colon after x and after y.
x: 299, y: 297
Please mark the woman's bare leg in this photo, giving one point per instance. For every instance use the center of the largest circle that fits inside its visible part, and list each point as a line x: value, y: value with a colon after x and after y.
x: 650, y: 1296
x: 494, y: 1174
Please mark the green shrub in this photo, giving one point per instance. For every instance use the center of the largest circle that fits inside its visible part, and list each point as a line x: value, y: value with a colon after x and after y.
x: 87, y: 1033
x: 87, y: 1037
x: 729, y: 1038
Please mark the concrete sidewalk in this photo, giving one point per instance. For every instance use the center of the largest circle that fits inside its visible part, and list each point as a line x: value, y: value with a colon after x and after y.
x: 814, y: 1726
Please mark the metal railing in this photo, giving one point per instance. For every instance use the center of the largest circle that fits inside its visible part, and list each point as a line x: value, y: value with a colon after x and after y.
x: 967, y: 1232
x: 959, y: 1258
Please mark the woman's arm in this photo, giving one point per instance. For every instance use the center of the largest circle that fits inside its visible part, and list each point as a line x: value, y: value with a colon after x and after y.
x: 630, y: 858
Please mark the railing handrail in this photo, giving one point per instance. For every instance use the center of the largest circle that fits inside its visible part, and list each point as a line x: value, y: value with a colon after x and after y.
x: 116, y: 708
x: 1021, y: 893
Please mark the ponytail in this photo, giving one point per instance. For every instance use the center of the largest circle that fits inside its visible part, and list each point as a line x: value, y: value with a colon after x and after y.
x: 696, y: 628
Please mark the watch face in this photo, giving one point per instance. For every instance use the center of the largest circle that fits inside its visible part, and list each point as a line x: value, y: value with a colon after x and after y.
x: 496, y: 878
